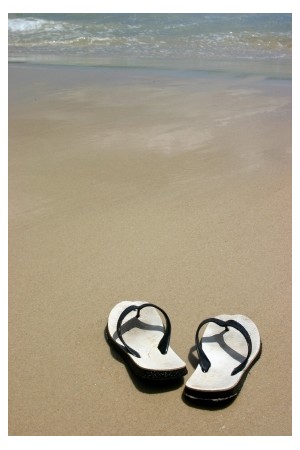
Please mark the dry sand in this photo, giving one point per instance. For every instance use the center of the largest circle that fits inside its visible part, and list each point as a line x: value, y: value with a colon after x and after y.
x: 133, y: 185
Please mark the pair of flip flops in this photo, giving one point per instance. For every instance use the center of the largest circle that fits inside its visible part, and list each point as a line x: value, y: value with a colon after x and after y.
x: 228, y: 348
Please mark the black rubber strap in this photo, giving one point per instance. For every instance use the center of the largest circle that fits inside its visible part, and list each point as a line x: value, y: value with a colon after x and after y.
x: 204, y: 361
x: 165, y: 340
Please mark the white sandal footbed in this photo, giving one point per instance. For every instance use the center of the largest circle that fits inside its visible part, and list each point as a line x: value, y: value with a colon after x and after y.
x: 225, y: 350
x: 142, y: 333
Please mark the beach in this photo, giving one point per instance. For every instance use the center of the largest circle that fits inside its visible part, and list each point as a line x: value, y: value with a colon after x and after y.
x: 161, y: 186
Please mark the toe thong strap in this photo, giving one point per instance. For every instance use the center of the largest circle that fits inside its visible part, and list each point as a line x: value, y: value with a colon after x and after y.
x: 165, y: 340
x: 204, y: 361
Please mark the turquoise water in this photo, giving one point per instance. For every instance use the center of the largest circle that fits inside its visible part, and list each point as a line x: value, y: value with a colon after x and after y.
x: 243, y: 43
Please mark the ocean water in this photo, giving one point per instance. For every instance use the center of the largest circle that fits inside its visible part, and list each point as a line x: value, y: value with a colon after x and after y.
x: 240, y: 43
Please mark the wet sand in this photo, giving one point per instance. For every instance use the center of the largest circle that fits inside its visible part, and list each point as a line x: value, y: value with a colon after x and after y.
x: 157, y: 186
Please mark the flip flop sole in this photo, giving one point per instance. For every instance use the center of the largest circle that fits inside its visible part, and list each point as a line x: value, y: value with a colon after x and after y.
x: 217, y: 385
x: 145, y: 374
x: 143, y: 334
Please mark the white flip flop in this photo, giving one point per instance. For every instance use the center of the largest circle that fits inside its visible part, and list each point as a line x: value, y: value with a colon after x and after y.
x: 136, y: 331
x: 225, y: 358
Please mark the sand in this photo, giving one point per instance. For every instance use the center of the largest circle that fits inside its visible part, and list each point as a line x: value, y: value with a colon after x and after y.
x: 144, y: 185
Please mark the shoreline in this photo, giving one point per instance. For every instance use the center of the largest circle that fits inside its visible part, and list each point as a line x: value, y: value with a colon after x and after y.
x: 265, y: 69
